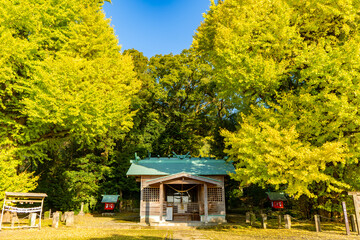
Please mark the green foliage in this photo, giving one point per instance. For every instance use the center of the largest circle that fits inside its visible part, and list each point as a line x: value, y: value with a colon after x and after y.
x: 66, y: 94
x: 185, y: 104
x: 268, y: 155
x: 292, y: 68
x: 10, y: 180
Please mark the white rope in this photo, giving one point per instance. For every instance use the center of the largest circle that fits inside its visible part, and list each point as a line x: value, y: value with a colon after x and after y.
x: 22, y: 210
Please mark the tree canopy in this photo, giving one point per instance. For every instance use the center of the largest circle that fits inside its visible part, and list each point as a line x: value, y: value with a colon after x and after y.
x: 64, y: 85
x: 292, y: 68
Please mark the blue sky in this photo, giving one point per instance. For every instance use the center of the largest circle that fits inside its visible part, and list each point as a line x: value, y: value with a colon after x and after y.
x: 156, y: 26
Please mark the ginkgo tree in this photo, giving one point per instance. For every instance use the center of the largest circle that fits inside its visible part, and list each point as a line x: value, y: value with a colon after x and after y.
x: 63, y: 83
x: 294, y: 67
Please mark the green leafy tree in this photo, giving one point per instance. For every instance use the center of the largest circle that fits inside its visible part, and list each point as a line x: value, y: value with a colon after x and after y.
x: 64, y: 85
x: 185, y: 102
x: 291, y: 68
x: 10, y: 180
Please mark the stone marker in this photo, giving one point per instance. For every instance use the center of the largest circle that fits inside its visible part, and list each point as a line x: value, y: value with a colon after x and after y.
x: 81, y: 213
x: 32, y: 219
x: 247, y: 217
x: 263, y: 221
x: 346, y: 218
x: 317, y: 223
x: 56, y: 218
x: 69, y: 218
x: 287, y: 219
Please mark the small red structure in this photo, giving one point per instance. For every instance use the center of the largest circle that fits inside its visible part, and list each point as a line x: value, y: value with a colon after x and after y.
x: 277, y: 204
x: 110, y: 201
x: 277, y: 199
x: 109, y: 206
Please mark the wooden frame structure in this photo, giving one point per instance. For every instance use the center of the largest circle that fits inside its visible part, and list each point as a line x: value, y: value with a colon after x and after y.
x: 15, y: 197
x: 157, y: 205
x: 356, y: 199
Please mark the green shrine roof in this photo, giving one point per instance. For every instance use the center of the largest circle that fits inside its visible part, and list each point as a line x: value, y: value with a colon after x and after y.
x: 179, y: 163
x: 276, y: 196
x: 110, y: 198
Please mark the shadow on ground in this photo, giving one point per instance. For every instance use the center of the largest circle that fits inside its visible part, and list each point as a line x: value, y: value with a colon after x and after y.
x: 116, y: 236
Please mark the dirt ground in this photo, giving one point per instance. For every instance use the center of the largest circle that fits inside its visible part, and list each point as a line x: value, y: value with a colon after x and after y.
x: 126, y: 226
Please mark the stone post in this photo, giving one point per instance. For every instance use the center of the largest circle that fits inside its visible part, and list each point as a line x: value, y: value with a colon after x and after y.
x: 56, y: 218
x: 263, y: 221
x: 247, y: 217
x: 81, y: 213
x: 32, y: 219
x: 317, y: 223
x: 287, y: 219
x: 346, y: 218
x: 69, y: 218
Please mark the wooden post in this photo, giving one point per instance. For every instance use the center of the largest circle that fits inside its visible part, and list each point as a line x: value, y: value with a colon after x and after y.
x: 161, y: 201
x: 42, y: 205
x: 55, y: 223
x: 356, y: 206
x: 317, y: 223
x: 223, y: 196
x: 353, y: 223
x: 247, y: 220
x: 345, y: 218
x: 263, y: 221
x: 279, y: 220
x: 206, y: 207
x: 287, y: 219
x: 2, y: 212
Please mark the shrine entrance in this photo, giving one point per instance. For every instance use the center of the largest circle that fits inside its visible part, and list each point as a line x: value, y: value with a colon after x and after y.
x: 182, y: 202
x: 182, y: 198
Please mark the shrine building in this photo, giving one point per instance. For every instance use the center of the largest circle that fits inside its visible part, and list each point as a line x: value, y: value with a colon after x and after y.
x: 181, y: 188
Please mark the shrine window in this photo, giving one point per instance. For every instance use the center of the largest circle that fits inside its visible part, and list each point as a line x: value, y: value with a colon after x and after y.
x: 215, y: 194
x: 151, y: 194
